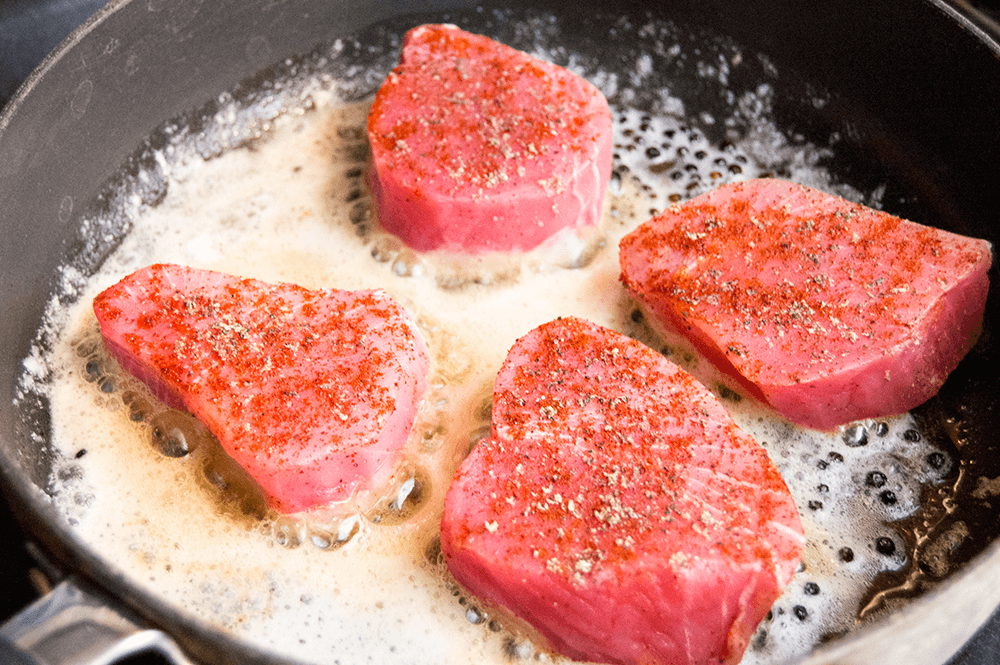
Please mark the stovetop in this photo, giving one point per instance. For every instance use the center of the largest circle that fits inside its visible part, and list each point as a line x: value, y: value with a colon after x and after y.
x: 29, y: 29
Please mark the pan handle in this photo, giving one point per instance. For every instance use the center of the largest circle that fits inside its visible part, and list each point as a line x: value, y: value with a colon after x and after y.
x: 73, y: 625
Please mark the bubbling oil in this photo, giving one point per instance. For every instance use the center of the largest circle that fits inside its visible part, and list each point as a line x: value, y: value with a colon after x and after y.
x: 285, y: 200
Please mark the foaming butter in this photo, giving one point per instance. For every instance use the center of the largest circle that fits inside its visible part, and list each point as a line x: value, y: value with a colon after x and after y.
x: 293, y: 208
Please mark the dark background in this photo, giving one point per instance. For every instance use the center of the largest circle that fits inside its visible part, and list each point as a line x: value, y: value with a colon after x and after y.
x: 29, y: 29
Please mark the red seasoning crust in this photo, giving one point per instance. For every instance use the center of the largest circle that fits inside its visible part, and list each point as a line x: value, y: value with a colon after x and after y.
x: 312, y: 392
x: 825, y: 309
x: 477, y: 146
x: 617, y: 508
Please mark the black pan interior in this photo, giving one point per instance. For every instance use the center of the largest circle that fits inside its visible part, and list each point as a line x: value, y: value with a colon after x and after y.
x: 910, y: 94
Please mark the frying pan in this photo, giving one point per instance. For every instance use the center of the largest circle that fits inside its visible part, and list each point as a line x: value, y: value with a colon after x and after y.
x: 915, y: 86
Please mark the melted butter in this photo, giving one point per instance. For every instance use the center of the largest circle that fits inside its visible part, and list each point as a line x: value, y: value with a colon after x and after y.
x: 293, y: 209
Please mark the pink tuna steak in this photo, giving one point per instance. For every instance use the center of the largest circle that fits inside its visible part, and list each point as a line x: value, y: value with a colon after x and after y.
x: 312, y: 392
x: 477, y: 146
x: 827, y: 310
x: 617, y: 508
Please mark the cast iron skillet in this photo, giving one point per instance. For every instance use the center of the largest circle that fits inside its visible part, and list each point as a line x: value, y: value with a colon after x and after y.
x: 915, y: 84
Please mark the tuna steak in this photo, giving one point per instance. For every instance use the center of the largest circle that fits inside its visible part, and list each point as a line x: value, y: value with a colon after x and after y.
x: 477, y: 146
x: 312, y: 392
x: 617, y: 508
x: 827, y: 310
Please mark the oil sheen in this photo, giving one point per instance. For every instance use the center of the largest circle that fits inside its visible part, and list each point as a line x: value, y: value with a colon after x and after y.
x: 289, y: 205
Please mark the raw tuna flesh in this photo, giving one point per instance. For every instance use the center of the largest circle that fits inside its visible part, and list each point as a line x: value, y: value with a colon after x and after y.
x: 827, y: 310
x: 312, y: 392
x: 617, y: 508
x: 477, y: 146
